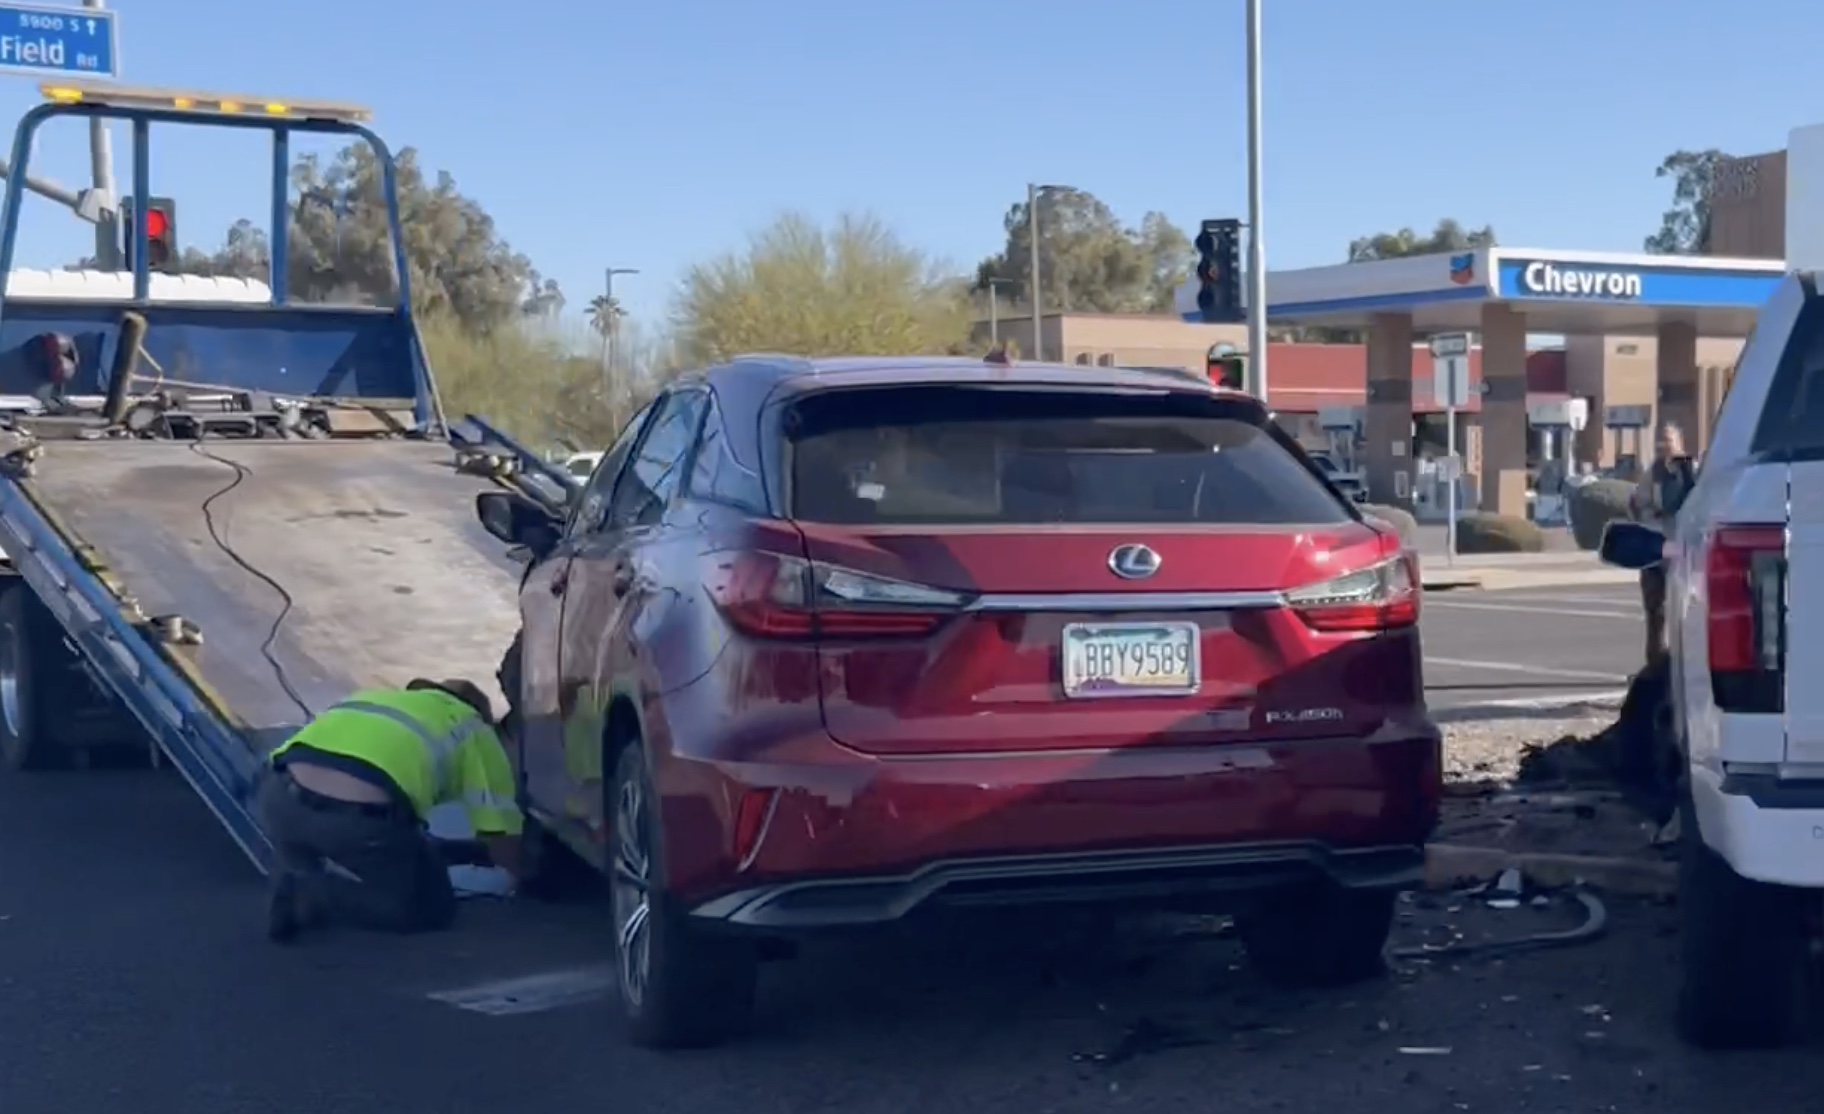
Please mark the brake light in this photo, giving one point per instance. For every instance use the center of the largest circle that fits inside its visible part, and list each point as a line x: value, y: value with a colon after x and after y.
x: 772, y: 595
x: 1381, y: 597
x: 1745, y: 581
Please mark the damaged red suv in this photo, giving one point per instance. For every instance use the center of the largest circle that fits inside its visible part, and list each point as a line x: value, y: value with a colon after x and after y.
x: 826, y: 644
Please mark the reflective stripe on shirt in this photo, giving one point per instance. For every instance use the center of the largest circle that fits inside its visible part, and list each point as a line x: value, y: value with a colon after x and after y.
x: 442, y: 745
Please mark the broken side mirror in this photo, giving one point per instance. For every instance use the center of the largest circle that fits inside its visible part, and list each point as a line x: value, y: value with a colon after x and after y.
x: 519, y: 522
x: 1632, y: 545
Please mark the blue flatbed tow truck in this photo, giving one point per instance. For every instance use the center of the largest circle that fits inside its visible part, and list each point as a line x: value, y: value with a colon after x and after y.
x: 229, y: 515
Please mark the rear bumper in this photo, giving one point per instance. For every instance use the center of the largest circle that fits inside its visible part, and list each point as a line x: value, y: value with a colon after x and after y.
x: 852, y: 839
x: 1765, y: 830
x: 1142, y: 878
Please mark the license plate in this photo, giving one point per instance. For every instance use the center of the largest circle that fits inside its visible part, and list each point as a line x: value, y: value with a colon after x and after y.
x: 1130, y: 659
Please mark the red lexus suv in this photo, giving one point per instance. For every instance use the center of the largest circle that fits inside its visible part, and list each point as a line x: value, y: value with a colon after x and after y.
x: 826, y: 644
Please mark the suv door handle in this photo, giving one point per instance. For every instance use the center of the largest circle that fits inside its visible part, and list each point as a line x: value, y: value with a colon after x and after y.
x: 621, y: 580
x: 560, y: 580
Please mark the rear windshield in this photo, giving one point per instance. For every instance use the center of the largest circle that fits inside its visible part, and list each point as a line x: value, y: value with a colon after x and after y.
x: 1791, y: 424
x: 964, y: 456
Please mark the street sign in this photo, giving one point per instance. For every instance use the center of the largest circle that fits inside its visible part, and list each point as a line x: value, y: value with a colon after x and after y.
x: 59, y: 42
x: 1450, y: 344
x: 1450, y: 380
x: 1450, y: 376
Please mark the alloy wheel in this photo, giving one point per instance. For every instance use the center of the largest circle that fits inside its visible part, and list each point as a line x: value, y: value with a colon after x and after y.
x: 630, y: 885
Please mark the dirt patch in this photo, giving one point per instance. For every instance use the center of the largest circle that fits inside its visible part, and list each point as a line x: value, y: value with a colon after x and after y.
x: 1490, y: 754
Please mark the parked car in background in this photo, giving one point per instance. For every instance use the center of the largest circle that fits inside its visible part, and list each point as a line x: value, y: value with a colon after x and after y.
x: 581, y: 464
x: 831, y: 644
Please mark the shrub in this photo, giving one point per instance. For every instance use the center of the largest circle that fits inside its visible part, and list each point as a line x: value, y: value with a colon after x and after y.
x: 530, y: 382
x: 1396, y: 517
x: 1498, y: 533
x: 1595, y: 505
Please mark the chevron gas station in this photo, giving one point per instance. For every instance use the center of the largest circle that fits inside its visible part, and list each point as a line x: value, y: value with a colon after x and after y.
x: 1501, y: 296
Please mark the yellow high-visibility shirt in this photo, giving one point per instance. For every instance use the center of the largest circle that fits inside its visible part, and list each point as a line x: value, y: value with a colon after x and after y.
x: 434, y: 747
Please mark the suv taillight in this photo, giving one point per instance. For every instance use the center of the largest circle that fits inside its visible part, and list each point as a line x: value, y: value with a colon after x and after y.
x: 1745, y: 580
x: 772, y: 595
x: 1384, y: 596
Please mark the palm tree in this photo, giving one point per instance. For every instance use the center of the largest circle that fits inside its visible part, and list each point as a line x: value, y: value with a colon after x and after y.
x: 605, y: 313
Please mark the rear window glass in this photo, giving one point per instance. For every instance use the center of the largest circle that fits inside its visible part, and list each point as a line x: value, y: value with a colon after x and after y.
x: 1792, y: 419
x: 962, y: 456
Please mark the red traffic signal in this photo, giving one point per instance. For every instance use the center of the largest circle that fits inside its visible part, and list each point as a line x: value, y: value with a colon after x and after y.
x: 1228, y: 370
x: 161, y: 234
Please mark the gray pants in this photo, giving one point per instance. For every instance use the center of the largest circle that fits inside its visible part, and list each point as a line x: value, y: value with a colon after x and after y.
x: 404, y: 885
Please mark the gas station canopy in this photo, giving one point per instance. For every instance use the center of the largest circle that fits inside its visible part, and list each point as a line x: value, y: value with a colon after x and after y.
x: 1564, y: 292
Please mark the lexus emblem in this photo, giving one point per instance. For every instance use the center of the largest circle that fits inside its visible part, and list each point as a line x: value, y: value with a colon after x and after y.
x: 1133, y: 562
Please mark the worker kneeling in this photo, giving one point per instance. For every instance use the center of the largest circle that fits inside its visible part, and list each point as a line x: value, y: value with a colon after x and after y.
x: 352, y: 791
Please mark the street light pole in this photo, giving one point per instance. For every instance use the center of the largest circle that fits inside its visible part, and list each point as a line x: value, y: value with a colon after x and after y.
x: 1257, y: 241
x: 994, y: 311
x: 101, y: 166
x: 611, y: 327
x: 1032, y: 235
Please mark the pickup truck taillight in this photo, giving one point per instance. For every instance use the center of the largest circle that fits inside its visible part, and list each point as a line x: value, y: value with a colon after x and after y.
x: 1745, y: 578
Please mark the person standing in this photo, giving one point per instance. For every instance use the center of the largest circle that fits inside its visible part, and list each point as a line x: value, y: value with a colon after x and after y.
x: 346, y: 800
x: 1655, y: 501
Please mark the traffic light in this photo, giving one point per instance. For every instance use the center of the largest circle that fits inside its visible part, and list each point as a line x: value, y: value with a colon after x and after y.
x: 161, y: 233
x: 1227, y: 368
x: 1219, y: 272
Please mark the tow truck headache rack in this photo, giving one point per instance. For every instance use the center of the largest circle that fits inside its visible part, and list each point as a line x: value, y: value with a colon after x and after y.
x: 224, y: 511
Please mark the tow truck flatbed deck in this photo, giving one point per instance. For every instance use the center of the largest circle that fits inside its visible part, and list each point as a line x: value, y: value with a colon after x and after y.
x: 375, y: 542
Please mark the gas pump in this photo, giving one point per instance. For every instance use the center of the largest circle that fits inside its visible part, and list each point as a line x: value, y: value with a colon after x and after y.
x: 1557, y: 423
x: 1342, y: 426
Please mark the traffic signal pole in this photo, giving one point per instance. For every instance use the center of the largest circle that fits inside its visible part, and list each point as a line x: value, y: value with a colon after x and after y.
x: 1257, y: 249
x: 101, y: 165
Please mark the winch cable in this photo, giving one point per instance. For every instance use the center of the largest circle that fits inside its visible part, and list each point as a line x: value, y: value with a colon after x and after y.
x: 241, y: 474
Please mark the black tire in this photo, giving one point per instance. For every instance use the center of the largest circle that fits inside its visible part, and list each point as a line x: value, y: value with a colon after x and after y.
x: 51, y: 715
x: 24, y: 737
x: 508, y: 676
x: 553, y: 872
x: 1744, y: 952
x: 1323, y: 936
x: 697, y: 989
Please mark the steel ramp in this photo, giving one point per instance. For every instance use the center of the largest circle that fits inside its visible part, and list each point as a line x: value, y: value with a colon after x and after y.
x: 390, y: 577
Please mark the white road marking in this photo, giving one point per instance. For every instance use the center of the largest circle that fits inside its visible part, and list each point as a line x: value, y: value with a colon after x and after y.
x: 532, y: 993
x: 1619, y: 599
x: 1541, y: 607
x: 1520, y: 667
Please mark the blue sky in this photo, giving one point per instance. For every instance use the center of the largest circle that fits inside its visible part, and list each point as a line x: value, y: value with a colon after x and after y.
x: 652, y: 135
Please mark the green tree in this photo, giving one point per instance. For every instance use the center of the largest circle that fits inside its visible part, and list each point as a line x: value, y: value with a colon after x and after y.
x: 1448, y: 235
x: 340, y: 249
x: 1088, y: 260
x: 1684, y: 229
x: 604, y: 313
x: 853, y: 288
x: 459, y: 263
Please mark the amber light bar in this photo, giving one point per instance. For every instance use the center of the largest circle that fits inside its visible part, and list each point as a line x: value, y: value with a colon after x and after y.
x: 203, y: 104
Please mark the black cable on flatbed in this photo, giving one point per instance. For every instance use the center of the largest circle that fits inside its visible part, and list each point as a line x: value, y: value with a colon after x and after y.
x: 241, y: 472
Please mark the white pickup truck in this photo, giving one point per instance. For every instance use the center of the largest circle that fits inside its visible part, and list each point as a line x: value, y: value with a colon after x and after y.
x: 1745, y: 569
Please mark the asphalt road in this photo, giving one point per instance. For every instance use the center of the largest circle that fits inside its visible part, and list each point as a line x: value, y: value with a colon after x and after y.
x: 134, y: 979
x: 1542, y: 645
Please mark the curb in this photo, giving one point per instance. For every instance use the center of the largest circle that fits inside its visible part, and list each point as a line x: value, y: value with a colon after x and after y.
x: 1450, y: 583
x: 1450, y: 865
x: 1556, y: 578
